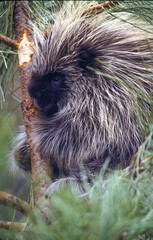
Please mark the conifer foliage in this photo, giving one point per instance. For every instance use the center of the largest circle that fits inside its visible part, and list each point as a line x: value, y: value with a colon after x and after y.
x: 119, y: 204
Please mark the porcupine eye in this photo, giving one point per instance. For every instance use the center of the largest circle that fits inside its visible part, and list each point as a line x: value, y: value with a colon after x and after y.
x: 57, y: 80
x: 57, y: 83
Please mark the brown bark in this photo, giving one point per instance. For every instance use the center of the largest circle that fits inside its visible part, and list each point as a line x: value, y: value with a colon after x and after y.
x: 7, y: 41
x: 40, y: 167
x: 12, y: 225
x: 99, y: 8
x: 14, y: 202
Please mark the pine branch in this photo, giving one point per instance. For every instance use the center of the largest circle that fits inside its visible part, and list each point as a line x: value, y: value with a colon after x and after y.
x: 12, y: 225
x: 40, y: 167
x: 99, y: 8
x: 14, y: 202
x: 10, y: 42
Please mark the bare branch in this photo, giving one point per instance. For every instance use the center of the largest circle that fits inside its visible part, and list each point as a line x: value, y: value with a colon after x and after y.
x: 13, y: 225
x: 99, y: 8
x: 14, y: 202
x: 8, y: 41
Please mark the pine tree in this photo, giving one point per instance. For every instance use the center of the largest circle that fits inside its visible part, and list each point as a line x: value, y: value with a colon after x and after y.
x: 119, y: 204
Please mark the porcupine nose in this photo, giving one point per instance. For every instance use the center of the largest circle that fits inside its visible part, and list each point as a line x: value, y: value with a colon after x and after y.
x: 33, y: 92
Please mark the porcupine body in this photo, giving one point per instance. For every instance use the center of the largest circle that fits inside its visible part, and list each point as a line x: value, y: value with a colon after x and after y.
x: 89, y: 79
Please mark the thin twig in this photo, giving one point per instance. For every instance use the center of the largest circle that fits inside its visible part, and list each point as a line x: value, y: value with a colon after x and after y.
x: 13, y: 225
x: 14, y: 202
x: 8, y: 41
x: 99, y: 8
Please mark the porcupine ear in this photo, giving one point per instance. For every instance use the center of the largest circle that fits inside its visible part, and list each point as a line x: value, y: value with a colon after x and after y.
x: 86, y: 57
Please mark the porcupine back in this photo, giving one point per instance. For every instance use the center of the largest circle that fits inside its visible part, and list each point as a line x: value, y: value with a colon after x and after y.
x: 89, y: 79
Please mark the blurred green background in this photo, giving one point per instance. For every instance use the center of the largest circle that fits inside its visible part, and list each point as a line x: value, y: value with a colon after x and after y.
x: 10, y: 119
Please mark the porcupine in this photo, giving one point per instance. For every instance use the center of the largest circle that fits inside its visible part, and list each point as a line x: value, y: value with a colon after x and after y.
x: 89, y: 79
